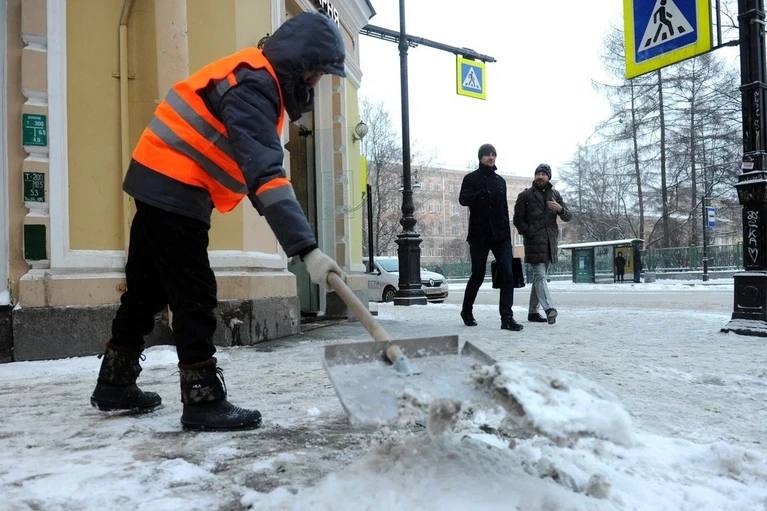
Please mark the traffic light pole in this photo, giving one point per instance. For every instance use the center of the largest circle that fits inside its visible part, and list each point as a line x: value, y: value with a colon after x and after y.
x: 749, y: 315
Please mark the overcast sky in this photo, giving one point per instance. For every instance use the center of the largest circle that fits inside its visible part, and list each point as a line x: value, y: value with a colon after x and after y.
x: 540, y: 101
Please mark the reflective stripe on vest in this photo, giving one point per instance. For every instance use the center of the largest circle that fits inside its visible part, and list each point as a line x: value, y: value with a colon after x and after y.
x: 273, y: 191
x: 186, y: 142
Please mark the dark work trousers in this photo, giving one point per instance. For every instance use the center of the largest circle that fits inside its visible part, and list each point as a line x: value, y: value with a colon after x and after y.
x: 168, y: 265
x: 503, y: 256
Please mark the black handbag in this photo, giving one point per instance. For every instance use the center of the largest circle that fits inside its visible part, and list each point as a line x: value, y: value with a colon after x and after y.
x: 516, y: 268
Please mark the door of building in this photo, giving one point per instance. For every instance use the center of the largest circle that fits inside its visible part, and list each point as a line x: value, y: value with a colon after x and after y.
x: 303, y: 177
x: 583, y: 265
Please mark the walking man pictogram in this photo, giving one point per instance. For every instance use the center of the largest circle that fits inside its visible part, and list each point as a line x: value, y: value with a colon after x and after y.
x: 662, y: 17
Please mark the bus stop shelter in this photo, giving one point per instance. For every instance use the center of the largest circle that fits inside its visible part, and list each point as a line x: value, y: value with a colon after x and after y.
x: 595, y: 261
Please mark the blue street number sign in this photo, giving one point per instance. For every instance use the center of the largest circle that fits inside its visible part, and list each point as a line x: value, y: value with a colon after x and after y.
x: 711, y: 217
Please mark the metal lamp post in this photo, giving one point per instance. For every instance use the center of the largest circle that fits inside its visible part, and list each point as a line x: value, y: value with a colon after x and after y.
x: 408, y: 241
x: 749, y: 315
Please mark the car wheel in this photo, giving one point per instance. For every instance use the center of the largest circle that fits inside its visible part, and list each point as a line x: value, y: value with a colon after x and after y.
x: 388, y: 294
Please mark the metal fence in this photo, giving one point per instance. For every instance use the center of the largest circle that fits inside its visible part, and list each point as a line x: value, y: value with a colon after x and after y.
x: 720, y: 257
x: 674, y: 259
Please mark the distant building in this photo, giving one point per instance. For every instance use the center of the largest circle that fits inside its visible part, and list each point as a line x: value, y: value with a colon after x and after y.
x: 443, y: 222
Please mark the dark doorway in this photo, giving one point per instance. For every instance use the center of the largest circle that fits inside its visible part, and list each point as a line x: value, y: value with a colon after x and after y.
x: 303, y: 176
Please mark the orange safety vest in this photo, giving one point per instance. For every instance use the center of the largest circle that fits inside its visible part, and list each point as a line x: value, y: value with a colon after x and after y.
x: 186, y: 142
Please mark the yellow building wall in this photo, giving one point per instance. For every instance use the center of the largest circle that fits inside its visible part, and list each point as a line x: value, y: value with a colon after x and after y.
x: 95, y: 175
x: 356, y: 186
x: 217, y: 29
x: 143, y: 95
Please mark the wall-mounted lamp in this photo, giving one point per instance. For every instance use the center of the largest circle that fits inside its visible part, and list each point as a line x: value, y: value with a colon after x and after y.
x: 360, y: 130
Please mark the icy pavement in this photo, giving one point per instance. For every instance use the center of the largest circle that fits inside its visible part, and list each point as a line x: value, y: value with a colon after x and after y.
x: 616, y: 407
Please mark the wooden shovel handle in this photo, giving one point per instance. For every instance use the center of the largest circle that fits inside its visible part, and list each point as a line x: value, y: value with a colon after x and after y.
x: 358, y: 309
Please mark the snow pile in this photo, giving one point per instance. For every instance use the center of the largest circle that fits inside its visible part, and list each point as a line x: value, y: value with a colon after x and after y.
x: 560, y: 442
x: 558, y: 404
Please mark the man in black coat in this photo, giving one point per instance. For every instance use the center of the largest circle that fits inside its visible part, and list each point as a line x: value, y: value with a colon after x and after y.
x: 484, y: 192
x: 535, y: 217
x: 620, y: 266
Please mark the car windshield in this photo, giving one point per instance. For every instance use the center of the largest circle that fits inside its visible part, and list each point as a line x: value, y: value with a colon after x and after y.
x: 389, y: 265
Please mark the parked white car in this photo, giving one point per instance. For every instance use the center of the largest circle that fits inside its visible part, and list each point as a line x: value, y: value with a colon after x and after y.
x: 382, y: 286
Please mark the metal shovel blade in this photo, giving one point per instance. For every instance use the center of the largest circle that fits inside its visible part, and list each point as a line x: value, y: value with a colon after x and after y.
x: 372, y: 391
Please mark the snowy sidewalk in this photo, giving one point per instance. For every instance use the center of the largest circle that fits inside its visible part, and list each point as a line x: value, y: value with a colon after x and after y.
x: 694, y: 436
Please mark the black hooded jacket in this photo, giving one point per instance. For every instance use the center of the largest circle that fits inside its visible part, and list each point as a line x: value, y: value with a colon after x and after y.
x: 484, y: 192
x: 249, y: 111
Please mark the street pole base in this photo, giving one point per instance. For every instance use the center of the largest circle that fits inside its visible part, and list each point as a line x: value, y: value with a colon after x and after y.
x: 752, y: 327
x: 410, y: 297
x: 410, y: 300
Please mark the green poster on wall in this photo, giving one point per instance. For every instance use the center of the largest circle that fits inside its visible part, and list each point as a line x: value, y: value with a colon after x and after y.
x: 34, y: 242
x: 34, y: 187
x: 34, y: 129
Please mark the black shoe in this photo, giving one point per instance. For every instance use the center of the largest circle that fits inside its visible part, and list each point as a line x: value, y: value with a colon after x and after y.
x: 510, y: 324
x: 468, y: 319
x: 203, y: 393
x: 116, y: 387
x: 536, y: 318
x: 551, y: 316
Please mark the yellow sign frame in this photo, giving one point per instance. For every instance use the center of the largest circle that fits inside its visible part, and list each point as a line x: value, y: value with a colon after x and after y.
x: 702, y: 44
x: 459, y: 89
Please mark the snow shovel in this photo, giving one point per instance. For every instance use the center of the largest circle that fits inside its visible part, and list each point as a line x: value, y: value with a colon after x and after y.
x: 386, y: 380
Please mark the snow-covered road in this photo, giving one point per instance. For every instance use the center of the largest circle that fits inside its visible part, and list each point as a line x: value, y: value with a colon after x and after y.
x: 683, y: 425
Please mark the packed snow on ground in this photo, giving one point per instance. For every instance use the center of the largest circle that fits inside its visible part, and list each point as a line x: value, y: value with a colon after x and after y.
x: 669, y: 285
x: 611, y: 408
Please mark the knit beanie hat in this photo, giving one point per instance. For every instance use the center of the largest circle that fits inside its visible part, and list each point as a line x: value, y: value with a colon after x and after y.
x: 485, y: 150
x: 543, y: 167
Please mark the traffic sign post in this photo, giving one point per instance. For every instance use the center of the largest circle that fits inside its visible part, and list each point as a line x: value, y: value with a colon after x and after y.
x: 661, y: 32
x: 749, y: 315
x: 470, y: 78
x: 710, y: 217
x: 408, y: 241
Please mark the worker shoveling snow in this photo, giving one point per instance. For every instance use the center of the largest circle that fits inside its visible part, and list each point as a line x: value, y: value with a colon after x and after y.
x: 558, y: 441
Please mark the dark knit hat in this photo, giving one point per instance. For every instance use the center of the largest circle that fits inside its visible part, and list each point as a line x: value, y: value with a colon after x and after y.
x: 543, y: 167
x: 486, y: 149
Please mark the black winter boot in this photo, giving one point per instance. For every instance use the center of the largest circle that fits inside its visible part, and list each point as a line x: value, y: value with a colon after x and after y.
x: 536, y: 318
x: 116, y: 387
x: 508, y: 323
x: 203, y: 392
x: 468, y: 319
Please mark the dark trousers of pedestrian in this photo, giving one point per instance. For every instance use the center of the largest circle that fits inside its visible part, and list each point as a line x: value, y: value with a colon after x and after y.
x: 168, y: 266
x: 620, y: 276
x: 503, y: 256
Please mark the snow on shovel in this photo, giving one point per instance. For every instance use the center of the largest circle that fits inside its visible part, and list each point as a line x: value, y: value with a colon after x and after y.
x: 377, y: 382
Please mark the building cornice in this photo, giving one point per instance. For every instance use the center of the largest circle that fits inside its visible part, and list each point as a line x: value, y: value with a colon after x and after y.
x: 358, y: 12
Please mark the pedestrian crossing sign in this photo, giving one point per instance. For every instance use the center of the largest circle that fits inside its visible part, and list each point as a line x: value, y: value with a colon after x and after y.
x: 470, y: 78
x: 662, y: 32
